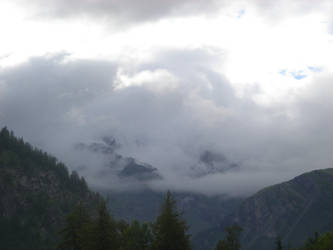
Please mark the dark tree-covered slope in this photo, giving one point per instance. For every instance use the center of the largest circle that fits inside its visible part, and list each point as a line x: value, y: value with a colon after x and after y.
x: 36, y: 194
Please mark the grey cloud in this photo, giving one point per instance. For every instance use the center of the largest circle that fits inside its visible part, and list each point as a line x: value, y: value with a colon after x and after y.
x: 122, y: 12
x: 47, y: 93
x: 56, y: 105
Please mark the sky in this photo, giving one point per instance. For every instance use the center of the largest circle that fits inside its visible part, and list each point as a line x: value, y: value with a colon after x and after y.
x: 246, y: 85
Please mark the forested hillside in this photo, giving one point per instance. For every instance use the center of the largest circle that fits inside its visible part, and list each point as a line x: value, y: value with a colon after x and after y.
x: 36, y: 194
x: 44, y: 207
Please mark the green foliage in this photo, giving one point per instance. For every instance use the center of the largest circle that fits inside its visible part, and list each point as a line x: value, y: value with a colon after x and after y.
x: 169, y: 229
x: 232, y: 240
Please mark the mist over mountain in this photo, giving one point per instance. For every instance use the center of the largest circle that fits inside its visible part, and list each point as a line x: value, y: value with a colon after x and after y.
x: 122, y: 167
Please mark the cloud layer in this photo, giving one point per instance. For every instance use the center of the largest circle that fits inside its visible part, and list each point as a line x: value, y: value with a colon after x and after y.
x: 218, y: 96
x: 167, y: 113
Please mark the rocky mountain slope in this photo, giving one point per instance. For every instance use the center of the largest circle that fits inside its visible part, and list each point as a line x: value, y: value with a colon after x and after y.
x: 293, y: 210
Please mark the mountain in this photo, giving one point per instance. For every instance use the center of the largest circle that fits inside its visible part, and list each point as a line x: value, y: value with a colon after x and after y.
x: 36, y: 194
x: 292, y: 210
x: 211, y: 162
x: 138, y: 171
x: 123, y: 167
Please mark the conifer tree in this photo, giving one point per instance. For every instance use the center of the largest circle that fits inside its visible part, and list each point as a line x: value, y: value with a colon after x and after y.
x: 169, y: 229
x: 105, y: 235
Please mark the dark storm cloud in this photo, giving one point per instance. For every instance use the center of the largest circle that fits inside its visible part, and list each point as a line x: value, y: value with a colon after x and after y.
x: 167, y: 122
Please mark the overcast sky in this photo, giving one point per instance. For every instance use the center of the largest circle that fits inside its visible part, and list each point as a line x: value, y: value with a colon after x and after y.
x: 248, y: 81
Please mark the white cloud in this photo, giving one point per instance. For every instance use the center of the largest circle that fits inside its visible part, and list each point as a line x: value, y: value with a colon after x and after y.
x: 159, y: 80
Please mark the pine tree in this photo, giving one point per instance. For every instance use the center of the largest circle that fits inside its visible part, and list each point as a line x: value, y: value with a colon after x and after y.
x: 169, y: 229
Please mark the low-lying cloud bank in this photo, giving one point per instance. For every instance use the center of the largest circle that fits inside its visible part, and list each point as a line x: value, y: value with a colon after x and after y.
x: 177, y: 115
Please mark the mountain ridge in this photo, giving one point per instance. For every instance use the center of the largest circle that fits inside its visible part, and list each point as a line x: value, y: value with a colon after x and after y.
x: 292, y: 210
